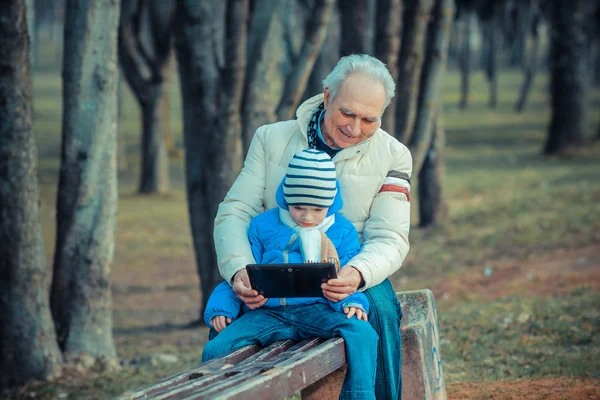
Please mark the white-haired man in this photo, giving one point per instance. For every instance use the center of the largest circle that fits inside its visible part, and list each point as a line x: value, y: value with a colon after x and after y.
x: 374, y: 172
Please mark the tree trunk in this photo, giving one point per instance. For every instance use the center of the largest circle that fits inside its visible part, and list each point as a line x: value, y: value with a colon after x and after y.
x: 28, y: 348
x: 31, y: 32
x: 298, y: 78
x: 151, y: 21
x: 387, y: 48
x: 530, y: 59
x: 491, y: 66
x: 433, y: 206
x: 211, y: 109
x: 569, y: 78
x: 410, y: 62
x: 264, y: 73
x: 433, y: 70
x: 464, y: 59
x: 353, y: 26
x: 328, y: 57
x: 154, y: 174
x: 122, y: 164
x: 87, y: 190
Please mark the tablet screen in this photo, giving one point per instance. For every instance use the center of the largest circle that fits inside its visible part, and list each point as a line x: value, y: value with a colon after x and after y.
x: 290, y: 280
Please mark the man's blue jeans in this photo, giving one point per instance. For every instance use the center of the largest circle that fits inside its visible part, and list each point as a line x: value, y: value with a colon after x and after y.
x: 265, y: 326
x: 384, y: 315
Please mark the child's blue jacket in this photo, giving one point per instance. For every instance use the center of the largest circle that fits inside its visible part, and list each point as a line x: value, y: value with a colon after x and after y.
x: 269, y: 238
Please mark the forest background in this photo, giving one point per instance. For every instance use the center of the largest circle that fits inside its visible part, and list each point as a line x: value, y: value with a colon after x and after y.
x: 506, y: 209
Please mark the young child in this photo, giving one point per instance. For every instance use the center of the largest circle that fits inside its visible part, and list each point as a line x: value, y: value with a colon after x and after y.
x: 308, y: 200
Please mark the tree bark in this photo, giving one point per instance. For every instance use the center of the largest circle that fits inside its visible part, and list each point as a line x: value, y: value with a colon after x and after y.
x: 388, y: 33
x: 328, y: 57
x: 433, y: 70
x: 433, y: 206
x: 465, y: 59
x: 31, y: 32
x: 87, y: 190
x: 137, y: 56
x: 491, y: 67
x: 28, y: 348
x: 569, y: 77
x: 298, y: 78
x: 410, y: 62
x: 264, y: 73
x: 531, y: 21
x: 353, y: 23
x: 211, y: 115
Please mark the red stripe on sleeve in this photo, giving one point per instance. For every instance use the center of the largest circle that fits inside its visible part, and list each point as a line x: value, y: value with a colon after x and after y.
x: 395, y: 188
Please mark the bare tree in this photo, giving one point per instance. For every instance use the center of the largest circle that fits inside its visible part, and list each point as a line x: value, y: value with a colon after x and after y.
x: 28, y: 348
x: 211, y: 90
x: 87, y: 190
x: 464, y: 59
x: 144, y: 49
x: 433, y: 206
x: 529, y: 20
x: 410, y: 63
x: 272, y: 63
x: 298, y: 78
x: 438, y: 37
x: 328, y: 56
x: 569, y: 76
x: 388, y: 33
x: 353, y: 23
x: 491, y: 36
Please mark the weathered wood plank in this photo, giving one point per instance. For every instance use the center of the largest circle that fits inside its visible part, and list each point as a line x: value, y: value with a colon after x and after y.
x: 219, y: 364
x: 212, y: 376
x: 286, y: 377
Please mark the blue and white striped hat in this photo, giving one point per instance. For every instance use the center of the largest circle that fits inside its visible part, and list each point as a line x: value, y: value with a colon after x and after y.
x: 310, y: 180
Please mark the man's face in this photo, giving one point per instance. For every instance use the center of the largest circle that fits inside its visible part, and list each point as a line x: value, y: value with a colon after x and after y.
x: 308, y: 216
x: 355, y: 113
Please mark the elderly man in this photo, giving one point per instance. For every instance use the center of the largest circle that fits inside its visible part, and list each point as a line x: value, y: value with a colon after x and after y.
x: 373, y: 169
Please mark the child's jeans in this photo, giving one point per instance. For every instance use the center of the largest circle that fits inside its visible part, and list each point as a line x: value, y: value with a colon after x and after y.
x: 267, y: 325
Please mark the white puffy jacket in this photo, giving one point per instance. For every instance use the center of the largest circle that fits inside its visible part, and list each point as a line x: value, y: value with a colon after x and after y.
x: 374, y: 177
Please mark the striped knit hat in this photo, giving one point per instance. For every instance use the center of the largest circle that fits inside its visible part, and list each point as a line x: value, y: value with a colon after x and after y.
x: 310, y: 180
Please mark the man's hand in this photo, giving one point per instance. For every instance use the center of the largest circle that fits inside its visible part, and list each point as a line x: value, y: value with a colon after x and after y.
x: 243, y: 290
x: 346, y: 284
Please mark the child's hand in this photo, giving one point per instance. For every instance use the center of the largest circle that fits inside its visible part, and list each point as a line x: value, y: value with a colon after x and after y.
x: 360, y: 314
x: 220, y: 322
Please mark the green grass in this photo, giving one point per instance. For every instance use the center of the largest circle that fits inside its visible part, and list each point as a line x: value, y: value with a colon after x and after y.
x: 507, y: 203
x: 522, y: 338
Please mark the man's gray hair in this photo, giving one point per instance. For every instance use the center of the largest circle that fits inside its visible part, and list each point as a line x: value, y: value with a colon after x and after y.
x: 366, y: 65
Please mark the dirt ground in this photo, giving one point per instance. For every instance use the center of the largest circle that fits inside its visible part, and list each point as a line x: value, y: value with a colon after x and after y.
x: 556, y: 274
x: 553, y: 275
x: 547, y: 389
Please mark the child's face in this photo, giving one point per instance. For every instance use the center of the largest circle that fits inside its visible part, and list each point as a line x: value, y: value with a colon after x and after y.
x: 307, y: 216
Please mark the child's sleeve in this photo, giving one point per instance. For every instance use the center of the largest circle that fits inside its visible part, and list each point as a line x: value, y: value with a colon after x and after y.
x: 255, y: 243
x: 358, y: 300
x: 349, y: 245
x: 222, y: 301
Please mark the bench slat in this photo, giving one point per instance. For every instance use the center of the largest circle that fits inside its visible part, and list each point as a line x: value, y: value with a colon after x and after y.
x: 216, y: 372
x: 209, y: 367
x: 287, y: 377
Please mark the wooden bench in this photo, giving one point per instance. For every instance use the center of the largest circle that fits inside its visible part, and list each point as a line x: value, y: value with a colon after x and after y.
x: 316, y: 367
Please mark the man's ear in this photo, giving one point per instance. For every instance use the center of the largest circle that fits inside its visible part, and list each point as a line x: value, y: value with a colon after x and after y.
x: 327, y: 97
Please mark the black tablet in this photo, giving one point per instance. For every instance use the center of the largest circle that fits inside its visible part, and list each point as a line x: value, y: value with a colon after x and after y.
x: 290, y: 280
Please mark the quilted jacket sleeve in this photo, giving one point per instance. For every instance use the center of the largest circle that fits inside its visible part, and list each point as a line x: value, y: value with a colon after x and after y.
x: 385, y: 237
x: 222, y: 301
x: 242, y: 203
